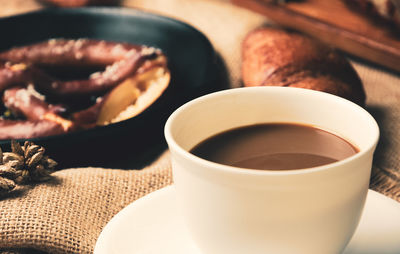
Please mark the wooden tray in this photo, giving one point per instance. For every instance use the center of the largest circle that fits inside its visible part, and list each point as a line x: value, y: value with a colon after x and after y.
x: 333, y: 22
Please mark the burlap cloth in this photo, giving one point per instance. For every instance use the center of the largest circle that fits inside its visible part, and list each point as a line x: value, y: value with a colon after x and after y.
x: 67, y: 214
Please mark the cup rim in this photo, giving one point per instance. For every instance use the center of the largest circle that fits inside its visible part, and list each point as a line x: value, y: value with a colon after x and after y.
x: 248, y: 171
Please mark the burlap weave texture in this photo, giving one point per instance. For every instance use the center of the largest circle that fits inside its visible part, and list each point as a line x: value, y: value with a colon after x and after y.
x: 67, y: 214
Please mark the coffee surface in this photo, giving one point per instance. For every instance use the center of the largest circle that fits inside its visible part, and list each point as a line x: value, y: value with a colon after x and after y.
x: 277, y: 146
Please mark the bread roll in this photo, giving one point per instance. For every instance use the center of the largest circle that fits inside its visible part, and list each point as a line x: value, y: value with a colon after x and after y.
x: 275, y: 57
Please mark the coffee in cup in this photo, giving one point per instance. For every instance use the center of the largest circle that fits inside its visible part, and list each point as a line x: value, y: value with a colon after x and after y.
x: 231, y: 209
x: 275, y: 146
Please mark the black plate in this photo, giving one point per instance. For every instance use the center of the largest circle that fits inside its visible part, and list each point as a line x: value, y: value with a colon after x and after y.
x: 191, y: 62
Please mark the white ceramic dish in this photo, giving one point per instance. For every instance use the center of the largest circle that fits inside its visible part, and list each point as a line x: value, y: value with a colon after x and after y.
x: 236, y: 211
x: 153, y: 225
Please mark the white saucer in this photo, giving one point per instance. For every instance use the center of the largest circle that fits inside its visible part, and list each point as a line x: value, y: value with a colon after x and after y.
x: 153, y: 224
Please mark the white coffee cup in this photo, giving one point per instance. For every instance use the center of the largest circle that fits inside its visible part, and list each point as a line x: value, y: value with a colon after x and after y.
x: 235, y: 210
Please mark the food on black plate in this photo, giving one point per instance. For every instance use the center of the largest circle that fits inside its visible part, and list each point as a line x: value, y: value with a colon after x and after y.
x: 58, y: 86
